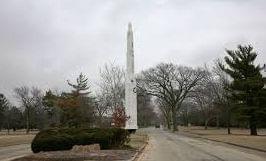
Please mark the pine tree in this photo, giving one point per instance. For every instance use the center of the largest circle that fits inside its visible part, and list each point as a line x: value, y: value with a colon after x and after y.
x: 3, y: 109
x: 82, y: 85
x: 247, y: 84
x: 77, y: 105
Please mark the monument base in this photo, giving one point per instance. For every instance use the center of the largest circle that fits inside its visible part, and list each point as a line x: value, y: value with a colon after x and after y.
x: 131, y: 131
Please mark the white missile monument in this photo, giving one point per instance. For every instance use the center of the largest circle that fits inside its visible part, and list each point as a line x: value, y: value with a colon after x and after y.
x: 130, y: 84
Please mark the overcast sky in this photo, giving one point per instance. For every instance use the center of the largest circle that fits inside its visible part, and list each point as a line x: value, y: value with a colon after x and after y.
x: 46, y: 42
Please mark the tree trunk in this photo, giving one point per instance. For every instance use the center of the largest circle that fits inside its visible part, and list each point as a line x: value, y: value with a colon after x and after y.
x: 28, y: 121
x: 253, y: 126
x: 186, y: 118
x: 206, y: 124
x: 228, y: 130
x: 228, y: 120
x: 8, y: 127
x: 168, y: 121
x: 217, y: 121
x: 174, y: 119
x: 175, y: 125
x: 100, y: 121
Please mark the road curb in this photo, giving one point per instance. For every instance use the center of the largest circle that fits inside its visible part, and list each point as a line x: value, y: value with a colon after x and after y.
x: 139, y: 151
x: 12, y: 158
x: 242, y: 146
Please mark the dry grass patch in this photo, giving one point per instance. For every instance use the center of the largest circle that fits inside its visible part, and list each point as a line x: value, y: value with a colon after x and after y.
x: 221, y: 131
x: 239, y: 136
x: 8, y: 140
x: 137, y: 140
x: 18, y: 132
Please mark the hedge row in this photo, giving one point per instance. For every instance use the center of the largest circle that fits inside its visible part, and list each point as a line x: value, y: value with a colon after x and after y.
x: 64, y: 139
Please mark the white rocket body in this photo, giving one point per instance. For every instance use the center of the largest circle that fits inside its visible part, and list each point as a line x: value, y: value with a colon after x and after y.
x: 130, y: 84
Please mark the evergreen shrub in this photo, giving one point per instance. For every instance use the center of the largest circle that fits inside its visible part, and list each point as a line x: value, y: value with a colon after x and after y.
x: 65, y: 139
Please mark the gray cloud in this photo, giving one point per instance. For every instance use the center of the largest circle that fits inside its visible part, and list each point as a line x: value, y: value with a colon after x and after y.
x: 46, y: 42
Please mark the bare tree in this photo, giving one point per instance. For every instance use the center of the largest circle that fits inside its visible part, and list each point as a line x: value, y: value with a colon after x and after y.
x: 39, y: 117
x: 112, y: 85
x: 145, y: 111
x: 172, y: 84
x: 204, y: 97
x: 102, y: 107
x: 166, y: 111
x: 223, y: 93
x: 211, y: 95
x: 23, y: 95
x: 14, y: 119
x: 30, y: 99
x: 187, y: 107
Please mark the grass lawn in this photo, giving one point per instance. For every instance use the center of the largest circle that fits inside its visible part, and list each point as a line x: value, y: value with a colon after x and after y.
x: 7, y: 140
x: 16, y: 137
x: 18, y: 132
x: 138, y: 139
x: 238, y: 136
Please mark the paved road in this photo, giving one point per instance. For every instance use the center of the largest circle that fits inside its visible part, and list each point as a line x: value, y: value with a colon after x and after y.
x: 167, y: 146
x: 12, y: 152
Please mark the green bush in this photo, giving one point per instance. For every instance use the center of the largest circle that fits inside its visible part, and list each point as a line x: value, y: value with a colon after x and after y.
x: 64, y: 139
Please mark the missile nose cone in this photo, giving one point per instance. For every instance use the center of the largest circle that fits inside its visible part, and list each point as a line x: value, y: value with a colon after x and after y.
x: 129, y: 26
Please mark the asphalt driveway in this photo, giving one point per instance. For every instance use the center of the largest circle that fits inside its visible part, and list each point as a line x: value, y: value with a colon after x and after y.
x: 168, y: 146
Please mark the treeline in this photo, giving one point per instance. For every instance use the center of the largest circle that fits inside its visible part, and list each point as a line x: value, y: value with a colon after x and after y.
x: 10, y: 116
x: 231, y: 93
x: 77, y: 108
